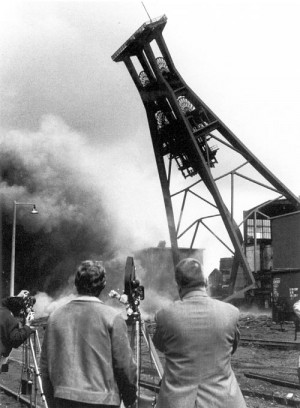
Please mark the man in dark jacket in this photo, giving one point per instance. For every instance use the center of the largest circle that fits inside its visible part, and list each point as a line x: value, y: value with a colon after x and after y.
x: 198, y: 335
x: 86, y: 358
x: 12, y: 333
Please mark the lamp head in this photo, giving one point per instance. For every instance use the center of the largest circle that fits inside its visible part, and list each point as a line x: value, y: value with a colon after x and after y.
x: 34, y: 210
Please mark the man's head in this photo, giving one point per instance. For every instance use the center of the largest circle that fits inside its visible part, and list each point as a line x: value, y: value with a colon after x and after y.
x: 189, y: 274
x: 90, y: 278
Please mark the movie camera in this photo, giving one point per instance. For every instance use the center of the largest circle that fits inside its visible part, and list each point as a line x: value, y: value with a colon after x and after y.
x: 132, y: 288
x: 20, y: 306
x: 134, y: 292
x: 28, y: 303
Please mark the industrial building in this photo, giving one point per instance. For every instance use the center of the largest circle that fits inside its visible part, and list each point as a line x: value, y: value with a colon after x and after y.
x: 271, y: 244
x: 157, y: 263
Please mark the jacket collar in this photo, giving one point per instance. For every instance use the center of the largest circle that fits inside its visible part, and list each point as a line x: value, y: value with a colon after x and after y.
x: 195, y: 292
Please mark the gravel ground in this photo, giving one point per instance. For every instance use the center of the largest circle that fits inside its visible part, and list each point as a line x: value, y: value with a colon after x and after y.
x: 278, y: 363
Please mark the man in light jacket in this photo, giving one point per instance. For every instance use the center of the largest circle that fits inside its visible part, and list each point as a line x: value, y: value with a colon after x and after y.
x: 198, y: 335
x: 86, y: 358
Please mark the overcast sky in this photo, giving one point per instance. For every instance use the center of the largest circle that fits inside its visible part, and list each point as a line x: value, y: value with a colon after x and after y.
x: 57, y: 78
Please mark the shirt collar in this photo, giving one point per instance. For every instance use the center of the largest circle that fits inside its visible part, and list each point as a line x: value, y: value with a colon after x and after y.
x: 87, y: 298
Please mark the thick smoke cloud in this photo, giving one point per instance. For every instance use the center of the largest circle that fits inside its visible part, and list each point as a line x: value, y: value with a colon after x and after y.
x: 47, y: 168
x: 85, y: 209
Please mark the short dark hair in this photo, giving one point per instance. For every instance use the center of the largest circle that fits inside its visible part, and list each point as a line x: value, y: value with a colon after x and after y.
x: 189, y: 273
x: 90, y: 278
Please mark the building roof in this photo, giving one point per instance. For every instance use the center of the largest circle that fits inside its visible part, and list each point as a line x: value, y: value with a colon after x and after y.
x: 274, y: 208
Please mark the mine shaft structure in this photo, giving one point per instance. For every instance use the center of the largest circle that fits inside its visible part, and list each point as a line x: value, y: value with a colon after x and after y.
x: 182, y: 129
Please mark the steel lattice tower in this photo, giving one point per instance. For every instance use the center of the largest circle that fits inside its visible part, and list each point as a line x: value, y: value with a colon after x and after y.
x: 181, y: 128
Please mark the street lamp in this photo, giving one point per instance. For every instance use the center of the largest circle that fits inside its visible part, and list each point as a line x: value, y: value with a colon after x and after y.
x: 13, y: 247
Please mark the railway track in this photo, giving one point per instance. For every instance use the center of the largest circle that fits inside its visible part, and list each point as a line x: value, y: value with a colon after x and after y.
x: 13, y: 399
x: 292, y: 345
x: 273, y: 380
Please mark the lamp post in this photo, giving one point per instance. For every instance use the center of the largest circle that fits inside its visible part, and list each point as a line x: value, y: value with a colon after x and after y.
x: 13, y: 247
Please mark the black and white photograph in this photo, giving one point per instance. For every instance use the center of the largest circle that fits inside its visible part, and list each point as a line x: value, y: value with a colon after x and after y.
x: 149, y: 204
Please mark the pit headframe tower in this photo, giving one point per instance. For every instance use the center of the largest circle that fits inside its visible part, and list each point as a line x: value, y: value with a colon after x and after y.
x: 182, y: 128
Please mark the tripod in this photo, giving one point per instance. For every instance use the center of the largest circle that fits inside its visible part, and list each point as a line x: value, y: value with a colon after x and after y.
x: 139, y: 332
x: 133, y: 293
x: 30, y: 376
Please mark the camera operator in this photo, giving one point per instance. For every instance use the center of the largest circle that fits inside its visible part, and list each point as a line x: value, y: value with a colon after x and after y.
x: 11, y: 334
x: 198, y: 335
x: 86, y: 359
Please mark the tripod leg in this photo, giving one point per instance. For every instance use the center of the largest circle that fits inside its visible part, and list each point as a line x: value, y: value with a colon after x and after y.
x: 25, y: 384
x: 37, y: 339
x: 38, y: 374
x: 23, y: 368
x: 137, y: 356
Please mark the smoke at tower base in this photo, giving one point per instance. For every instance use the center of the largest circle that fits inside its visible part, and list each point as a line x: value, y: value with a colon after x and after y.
x: 85, y: 209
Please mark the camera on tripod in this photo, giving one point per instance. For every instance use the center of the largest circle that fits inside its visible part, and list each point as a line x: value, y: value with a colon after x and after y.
x: 132, y: 288
x: 133, y: 291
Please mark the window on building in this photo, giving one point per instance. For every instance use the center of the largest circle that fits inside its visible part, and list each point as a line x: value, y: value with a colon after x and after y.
x: 263, y: 229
